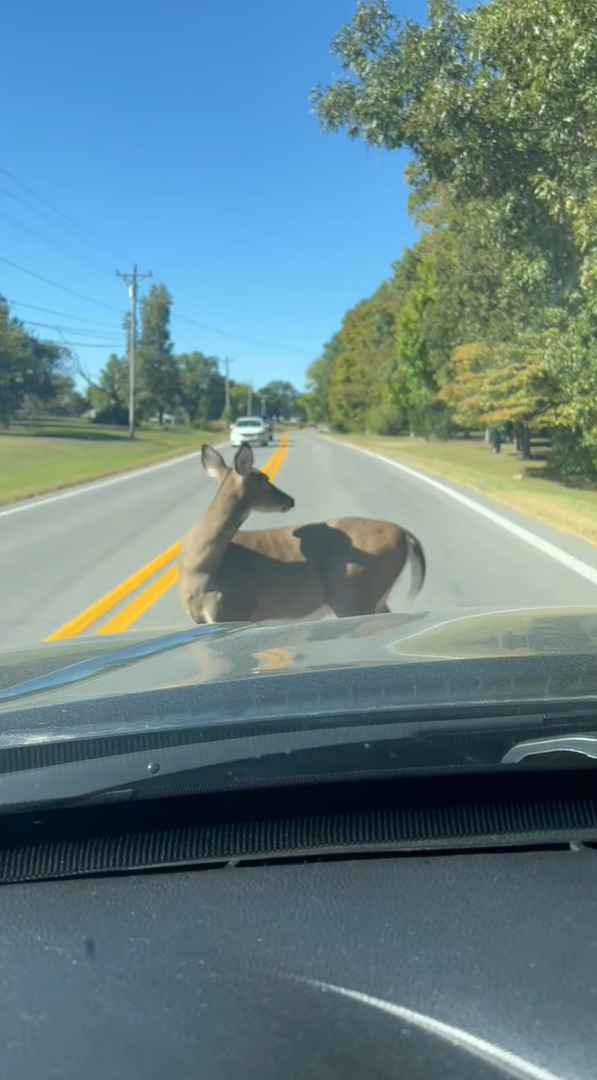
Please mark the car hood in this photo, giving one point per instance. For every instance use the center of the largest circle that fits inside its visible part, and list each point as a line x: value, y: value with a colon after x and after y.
x: 88, y: 668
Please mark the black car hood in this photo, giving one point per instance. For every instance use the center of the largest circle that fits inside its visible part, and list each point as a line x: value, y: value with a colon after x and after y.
x: 203, y: 660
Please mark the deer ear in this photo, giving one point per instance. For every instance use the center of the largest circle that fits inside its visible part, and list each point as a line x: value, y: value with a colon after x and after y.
x: 243, y: 462
x: 212, y: 462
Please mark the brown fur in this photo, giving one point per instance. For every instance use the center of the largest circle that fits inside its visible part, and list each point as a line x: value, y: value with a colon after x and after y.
x: 226, y: 575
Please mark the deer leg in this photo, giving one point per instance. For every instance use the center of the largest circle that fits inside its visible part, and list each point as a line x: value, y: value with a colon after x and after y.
x: 348, y: 598
x: 381, y: 607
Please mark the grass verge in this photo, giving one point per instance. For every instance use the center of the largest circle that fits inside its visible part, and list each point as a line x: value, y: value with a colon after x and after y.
x: 504, y: 477
x: 34, y: 463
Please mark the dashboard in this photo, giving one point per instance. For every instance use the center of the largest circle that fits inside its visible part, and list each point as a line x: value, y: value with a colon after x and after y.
x: 413, y: 962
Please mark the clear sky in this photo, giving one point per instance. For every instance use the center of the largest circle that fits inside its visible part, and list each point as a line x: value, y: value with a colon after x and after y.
x: 179, y: 136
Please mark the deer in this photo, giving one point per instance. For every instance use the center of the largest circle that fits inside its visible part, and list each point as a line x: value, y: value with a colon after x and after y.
x: 226, y: 574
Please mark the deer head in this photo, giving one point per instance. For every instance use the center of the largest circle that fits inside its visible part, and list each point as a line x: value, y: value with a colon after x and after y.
x: 252, y: 488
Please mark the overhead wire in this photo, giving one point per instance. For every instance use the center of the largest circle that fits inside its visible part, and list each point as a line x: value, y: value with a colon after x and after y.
x: 241, y: 337
x: 73, y: 329
x: 66, y: 218
x: 62, y: 314
x: 61, y: 214
x: 92, y: 344
x: 56, y: 285
x: 16, y: 224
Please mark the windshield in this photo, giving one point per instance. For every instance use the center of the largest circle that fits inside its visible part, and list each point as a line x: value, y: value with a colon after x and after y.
x: 298, y: 376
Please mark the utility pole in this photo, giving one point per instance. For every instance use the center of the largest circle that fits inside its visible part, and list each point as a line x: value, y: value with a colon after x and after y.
x: 227, y: 362
x: 132, y: 280
x: 250, y: 401
x: 263, y: 404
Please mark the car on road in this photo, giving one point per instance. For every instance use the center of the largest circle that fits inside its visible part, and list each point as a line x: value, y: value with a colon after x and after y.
x: 250, y: 429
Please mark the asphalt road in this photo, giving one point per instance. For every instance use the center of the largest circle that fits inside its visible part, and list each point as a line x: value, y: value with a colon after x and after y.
x: 64, y: 554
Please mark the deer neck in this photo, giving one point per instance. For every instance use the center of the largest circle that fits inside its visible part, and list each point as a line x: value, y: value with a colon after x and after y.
x: 224, y: 517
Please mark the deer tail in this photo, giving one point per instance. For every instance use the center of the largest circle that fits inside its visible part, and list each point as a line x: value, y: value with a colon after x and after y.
x: 418, y: 565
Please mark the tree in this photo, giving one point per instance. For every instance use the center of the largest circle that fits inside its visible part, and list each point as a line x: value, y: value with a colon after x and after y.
x: 199, y: 382
x: 109, y: 397
x: 498, y: 107
x: 319, y: 381
x: 346, y: 384
x: 59, y: 397
x: 353, y: 384
x: 279, y: 399
x: 158, y: 374
x: 114, y: 381
x: 497, y: 385
x: 27, y: 365
x: 239, y: 397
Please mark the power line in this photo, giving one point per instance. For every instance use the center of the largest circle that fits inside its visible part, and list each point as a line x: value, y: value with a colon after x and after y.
x: 240, y: 337
x: 72, y: 329
x: 46, y: 217
x: 62, y: 314
x: 66, y: 217
x: 175, y: 315
x: 92, y: 344
x: 35, y: 209
x: 55, y: 284
x: 16, y: 224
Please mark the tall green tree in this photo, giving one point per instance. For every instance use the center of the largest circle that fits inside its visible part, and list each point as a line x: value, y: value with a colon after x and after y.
x: 114, y: 381
x: 239, y: 397
x: 319, y: 380
x: 198, y: 383
x: 158, y: 373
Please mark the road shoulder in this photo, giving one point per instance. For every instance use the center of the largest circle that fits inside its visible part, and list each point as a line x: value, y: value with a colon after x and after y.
x: 570, y: 513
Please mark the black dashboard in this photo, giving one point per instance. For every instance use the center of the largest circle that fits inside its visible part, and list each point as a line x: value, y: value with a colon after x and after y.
x: 469, y: 957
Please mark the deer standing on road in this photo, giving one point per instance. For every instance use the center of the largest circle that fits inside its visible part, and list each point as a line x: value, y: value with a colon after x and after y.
x: 226, y: 575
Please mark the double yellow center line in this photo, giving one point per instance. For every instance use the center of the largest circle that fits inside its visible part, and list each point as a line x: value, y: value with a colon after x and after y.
x: 138, y: 604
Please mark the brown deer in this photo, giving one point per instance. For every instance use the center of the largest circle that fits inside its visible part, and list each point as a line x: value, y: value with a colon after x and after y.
x: 226, y: 575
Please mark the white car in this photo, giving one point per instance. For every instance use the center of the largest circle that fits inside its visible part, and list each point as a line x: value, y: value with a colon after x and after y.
x: 249, y: 429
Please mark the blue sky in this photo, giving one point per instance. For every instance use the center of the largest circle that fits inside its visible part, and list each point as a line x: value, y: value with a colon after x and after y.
x: 179, y: 136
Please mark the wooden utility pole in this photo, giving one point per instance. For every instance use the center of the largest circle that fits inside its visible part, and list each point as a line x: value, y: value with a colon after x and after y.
x: 132, y: 280
x: 227, y: 362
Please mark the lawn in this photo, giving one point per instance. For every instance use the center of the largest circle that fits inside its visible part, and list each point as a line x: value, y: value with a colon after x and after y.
x: 61, y: 453
x: 504, y: 477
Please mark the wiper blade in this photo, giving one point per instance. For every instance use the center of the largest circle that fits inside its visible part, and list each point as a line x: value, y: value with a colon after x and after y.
x: 230, y: 756
x: 559, y: 744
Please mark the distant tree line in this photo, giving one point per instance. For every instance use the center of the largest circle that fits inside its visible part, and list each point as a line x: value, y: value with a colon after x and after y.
x: 490, y: 319
x: 37, y: 376
x: 189, y: 386
x: 33, y: 373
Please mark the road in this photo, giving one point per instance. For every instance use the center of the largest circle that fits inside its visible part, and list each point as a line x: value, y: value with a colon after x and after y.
x: 97, y: 547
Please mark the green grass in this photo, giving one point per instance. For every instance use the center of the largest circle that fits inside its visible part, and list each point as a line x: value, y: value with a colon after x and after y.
x: 35, y: 460
x: 523, y: 486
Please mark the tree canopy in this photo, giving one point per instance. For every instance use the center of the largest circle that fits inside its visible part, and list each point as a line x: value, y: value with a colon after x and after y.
x: 37, y: 376
x: 29, y: 367
x: 491, y: 315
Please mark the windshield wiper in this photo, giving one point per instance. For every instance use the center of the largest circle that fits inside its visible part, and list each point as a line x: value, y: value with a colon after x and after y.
x: 560, y: 744
x: 230, y: 756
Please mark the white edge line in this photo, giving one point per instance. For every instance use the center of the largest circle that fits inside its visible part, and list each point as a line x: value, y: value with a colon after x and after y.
x: 545, y: 546
x: 95, y: 485
x: 480, y: 1048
